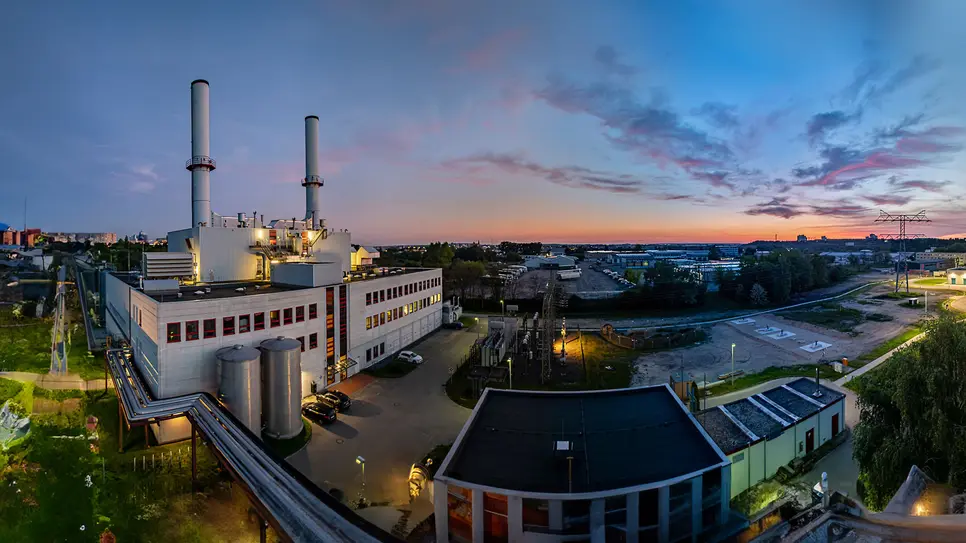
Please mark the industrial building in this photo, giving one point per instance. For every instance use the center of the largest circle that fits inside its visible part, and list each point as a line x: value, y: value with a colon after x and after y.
x: 242, y: 280
x: 550, y: 261
x: 763, y: 432
x: 611, y: 465
x: 956, y: 276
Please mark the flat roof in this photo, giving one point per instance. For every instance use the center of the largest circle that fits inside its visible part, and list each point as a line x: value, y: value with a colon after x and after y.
x: 379, y: 274
x: 221, y: 290
x: 729, y: 437
x: 754, y: 418
x: 620, y: 438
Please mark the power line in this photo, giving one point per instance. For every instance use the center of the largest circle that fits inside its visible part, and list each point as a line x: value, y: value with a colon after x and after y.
x: 902, y: 236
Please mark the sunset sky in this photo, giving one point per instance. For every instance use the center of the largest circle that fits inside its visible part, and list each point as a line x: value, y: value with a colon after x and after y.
x: 552, y: 120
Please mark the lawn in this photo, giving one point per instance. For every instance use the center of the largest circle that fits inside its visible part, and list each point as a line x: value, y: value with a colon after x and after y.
x: 885, y: 347
x: 26, y: 347
x: 828, y: 315
x: 768, y: 374
x: 391, y: 369
x: 931, y: 281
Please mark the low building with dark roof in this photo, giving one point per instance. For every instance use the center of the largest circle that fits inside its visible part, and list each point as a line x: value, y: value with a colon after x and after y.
x: 615, y: 465
x: 765, y: 431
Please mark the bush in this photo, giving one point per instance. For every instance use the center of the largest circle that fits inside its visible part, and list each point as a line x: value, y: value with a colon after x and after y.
x: 16, y: 408
x: 879, y: 317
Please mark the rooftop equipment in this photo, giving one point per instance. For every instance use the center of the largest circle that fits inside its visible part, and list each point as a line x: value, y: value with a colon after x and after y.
x: 281, y: 370
x: 239, y: 387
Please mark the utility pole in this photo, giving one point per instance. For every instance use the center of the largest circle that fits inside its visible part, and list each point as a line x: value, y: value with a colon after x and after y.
x: 902, y: 236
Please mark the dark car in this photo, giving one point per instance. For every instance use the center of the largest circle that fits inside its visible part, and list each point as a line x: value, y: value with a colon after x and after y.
x: 454, y: 325
x: 337, y: 400
x: 319, y: 412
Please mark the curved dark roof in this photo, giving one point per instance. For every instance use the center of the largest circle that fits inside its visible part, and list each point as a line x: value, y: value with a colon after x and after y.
x: 621, y: 438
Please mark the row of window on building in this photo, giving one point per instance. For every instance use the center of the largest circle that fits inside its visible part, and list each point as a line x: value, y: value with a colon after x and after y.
x: 390, y: 315
x: 384, y: 294
x: 376, y: 351
x: 209, y: 327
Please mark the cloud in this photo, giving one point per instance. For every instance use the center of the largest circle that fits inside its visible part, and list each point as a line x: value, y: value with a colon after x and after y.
x: 917, y: 184
x: 777, y: 207
x: 649, y: 130
x: 607, y: 57
x: 919, y: 66
x: 718, y: 114
x: 822, y: 123
x: 568, y: 176
x: 781, y: 208
x: 491, y: 53
x: 146, y: 171
x: 865, y: 74
x: 889, y: 199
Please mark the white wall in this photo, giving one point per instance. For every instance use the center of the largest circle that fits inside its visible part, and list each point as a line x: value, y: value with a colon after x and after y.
x: 225, y: 252
x: 779, y: 451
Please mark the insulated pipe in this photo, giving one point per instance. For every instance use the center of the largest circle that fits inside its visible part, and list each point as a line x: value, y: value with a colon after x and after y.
x: 200, y: 163
x: 312, y: 181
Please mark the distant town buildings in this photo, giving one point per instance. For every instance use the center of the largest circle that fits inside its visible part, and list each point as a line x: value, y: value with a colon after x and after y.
x: 94, y: 237
x: 21, y: 238
x: 802, y: 238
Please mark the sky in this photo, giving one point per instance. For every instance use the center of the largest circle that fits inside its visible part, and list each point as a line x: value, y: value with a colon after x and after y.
x: 552, y: 120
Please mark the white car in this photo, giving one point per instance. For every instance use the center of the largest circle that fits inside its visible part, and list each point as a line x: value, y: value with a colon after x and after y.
x: 409, y: 356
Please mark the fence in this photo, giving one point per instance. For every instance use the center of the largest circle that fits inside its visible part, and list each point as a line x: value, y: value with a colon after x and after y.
x: 612, y: 336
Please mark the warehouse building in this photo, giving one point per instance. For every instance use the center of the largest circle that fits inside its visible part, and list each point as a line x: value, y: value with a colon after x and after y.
x: 239, y: 280
x: 763, y: 432
x: 612, y: 465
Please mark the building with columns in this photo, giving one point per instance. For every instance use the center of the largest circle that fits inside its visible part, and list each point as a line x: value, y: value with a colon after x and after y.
x: 611, y: 465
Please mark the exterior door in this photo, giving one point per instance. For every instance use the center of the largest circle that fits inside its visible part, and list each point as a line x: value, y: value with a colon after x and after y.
x: 809, y: 441
x: 835, y: 425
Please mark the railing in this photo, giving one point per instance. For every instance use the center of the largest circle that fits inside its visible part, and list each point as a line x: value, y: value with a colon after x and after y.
x: 200, y: 160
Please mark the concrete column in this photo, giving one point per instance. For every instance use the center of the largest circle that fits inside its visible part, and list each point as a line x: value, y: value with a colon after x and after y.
x: 597, y: 521
x: 725, y: 492
x: 441, y: 510
x: 514, y: 511
x: 633, y: 517
x: 556, y: 514
x: 663, y: 514
x: 477, y: 516
x: 696, y: 507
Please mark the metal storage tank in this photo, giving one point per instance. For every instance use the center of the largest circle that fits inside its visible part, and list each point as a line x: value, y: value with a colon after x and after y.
x: 282, y: 387
x: 239, y: 384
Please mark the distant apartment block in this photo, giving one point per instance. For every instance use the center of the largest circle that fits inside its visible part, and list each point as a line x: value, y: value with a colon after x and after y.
x: 93, y: 237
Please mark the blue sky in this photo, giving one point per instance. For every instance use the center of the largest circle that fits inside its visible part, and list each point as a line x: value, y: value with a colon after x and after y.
x: 546, y: 119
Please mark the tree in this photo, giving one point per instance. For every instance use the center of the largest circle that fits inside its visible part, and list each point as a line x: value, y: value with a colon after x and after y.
x: 465, y: 275
x: 714, y: 253
x: 911, y: 413
x: 438, y: 255
x: 758, y: 295
x: 472, y: 253
x: 634, y: 276
x: 853, y: 261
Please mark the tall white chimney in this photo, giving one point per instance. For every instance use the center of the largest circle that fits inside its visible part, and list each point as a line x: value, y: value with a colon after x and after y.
x: 312, y: 181
x: 200, y: 163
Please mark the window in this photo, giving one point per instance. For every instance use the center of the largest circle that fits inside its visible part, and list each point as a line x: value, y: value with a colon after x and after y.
x: 382, y: 349
x: 273, y: 318
x: 389, y: 315
x: 395, y: 313
x: 368, y: 298
x: 405, y: 290
x: 228, y: 326
x: 174, y: 332
x: 209, y: 328
x: 368, y: 355
x: 302, y: 342
x: 260, y: 321
x: 382, y: 318
x: 313, y: 340
x: 287, y: 315
x: 395, y: 292
x: 368, y: 323
x: 300, y: 313
x: 191, y: 330
x: 382, y: 295
x: 313, y: 311
x: 375, y: 321
x: 244, y: 323
x: 405, y: 310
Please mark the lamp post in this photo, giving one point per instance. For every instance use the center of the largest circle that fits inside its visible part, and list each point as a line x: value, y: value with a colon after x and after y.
x: 925, y: 305
x: 362, y: 462
x: 732, y: 365
x: 510, y: 362
x: 502, y: 312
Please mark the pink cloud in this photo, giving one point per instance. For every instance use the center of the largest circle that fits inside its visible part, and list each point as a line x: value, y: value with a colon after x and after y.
x: 492, y: 53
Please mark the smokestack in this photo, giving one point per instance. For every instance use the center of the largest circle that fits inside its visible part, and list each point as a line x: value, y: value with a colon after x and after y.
x: 312, y: 181
x: 200, y: 164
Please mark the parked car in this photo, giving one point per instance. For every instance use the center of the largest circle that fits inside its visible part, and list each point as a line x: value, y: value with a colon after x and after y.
x: 454, y: 325
x: 409, y: 356
x: 319, y: 412
x: 338, y: 400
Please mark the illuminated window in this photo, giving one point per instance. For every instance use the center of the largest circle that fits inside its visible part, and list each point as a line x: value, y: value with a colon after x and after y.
x: 174, y: 332
x: 191, y: 330
x: 209, y: 328
x: 313, y: 340
x: 368, y: 323
x: 368, y: 298
x: 244, y: 323
x: 389, y: 315
x: 313, y: 311
x: 228, y: 326
x: 287, y: 315
x: 259, y: 321
x: 405, y: 309
x: 302, y: 342
x: 395, y: 313
x: 273, y: 319
x: 382, y: 319
x: 375, y: 321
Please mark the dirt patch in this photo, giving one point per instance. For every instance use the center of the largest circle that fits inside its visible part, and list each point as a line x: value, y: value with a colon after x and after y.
x: 43, y: 405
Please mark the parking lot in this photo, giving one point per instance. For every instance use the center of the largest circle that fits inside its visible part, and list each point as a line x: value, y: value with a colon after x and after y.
x: 590, y: 283
x: 392, y: 423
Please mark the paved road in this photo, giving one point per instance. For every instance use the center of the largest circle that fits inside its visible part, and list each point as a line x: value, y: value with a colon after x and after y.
x: 392, y: 423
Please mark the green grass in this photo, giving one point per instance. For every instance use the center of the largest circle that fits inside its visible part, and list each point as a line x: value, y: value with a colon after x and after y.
x: 898, y: 295
x: 768, y: 374
x: 287, y: 447
x: 9, y: 388
x: 27, y: 348
x: 885, y: 347
x: 932, y: 281
x: 391, y: 370
x: 469, y: 322
x: 828, y: 315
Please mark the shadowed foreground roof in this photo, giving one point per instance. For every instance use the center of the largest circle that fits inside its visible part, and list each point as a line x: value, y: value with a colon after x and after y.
x: 620, y: 438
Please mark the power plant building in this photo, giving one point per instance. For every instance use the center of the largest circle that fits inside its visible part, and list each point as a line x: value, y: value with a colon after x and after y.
x: 241, y: 280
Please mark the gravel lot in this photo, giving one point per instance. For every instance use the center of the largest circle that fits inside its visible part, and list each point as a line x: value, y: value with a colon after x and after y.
x: 591, y: 282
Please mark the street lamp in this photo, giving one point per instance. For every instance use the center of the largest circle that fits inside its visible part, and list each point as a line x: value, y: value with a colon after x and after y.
x: 732, y: 365
x: 510, y: 362
x: 502, y: 306
x: 362, y: 462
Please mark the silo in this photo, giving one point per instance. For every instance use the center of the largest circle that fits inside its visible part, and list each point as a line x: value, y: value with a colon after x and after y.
x: 282, y: 387
x: 239, y: 384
